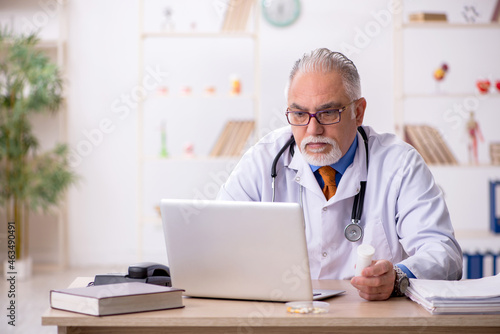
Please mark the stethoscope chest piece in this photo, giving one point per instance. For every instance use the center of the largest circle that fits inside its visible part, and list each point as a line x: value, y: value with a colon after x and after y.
x: 353, y: 232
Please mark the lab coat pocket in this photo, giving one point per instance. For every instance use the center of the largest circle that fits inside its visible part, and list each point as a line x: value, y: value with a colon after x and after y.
x: 375, y: 235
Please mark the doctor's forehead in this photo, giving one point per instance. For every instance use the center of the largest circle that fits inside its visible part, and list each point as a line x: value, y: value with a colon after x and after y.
x: 323, y: 106
x: 316, y: 83
x: 323, y: 90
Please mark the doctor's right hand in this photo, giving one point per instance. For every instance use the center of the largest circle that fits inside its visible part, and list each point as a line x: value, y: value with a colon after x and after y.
x: 376, y: 281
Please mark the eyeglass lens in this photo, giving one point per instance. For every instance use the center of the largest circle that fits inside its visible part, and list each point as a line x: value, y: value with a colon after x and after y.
x: 323, y: 117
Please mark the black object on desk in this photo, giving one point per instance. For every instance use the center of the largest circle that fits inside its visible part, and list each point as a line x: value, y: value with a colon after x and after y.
x: 144, y: 272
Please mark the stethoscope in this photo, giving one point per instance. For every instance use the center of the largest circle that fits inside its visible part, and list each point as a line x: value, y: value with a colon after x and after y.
x: 353, y: 231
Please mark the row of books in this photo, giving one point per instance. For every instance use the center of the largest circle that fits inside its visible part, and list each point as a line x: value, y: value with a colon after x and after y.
x: 480, y: 264
x: 429, y: 143
x: 442, y: 17
x: 233, y: 139
x: 237, y: 14
x: 495, y: 153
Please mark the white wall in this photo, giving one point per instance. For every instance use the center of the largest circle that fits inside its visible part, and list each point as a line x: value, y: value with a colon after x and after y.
x: 103, y: 66
x: 102, y: 69
x: 340, y: 26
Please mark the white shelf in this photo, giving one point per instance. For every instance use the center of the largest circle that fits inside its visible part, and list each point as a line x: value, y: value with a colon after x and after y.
x: 229, y: 34
x: 190, y: 160
x: 480, y: 167
x: 469, y: 209
x: 177, y: 176
x: 473, y: 241
x: 446, y: 25
x: 152, y: 220
x: 450, y: 95
x: 202, y: 96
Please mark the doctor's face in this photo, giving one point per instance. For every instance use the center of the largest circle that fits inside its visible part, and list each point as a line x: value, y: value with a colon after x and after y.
x: 315, y: 91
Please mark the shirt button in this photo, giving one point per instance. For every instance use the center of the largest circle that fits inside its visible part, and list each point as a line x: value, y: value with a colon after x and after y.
x: 325, y: 254
x: 297, y: 179
x: 324, y: 209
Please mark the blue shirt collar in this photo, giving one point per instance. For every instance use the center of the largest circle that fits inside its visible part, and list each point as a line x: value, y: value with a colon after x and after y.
x: 344, y: 162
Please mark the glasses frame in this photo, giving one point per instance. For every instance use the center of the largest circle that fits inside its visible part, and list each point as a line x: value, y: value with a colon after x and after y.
x: 339, y: 110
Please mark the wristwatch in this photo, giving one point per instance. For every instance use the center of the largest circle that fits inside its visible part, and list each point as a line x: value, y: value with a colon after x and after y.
x: 401, y: 283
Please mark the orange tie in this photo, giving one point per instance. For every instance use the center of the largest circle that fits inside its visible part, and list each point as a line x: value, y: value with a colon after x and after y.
x: 328, y: 175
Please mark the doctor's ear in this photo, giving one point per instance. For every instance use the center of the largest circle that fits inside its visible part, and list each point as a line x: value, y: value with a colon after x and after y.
x: 359, y: 111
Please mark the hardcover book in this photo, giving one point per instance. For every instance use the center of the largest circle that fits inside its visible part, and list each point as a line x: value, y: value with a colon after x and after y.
x: 116, y: 298
x: 428, y: 17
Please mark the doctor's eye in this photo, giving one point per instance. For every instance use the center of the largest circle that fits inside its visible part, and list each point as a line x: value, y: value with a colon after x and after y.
x: 298, y: 116
x: 330, y: 113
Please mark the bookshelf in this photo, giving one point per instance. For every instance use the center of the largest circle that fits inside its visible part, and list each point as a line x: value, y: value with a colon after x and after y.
x: 182, y: 123
x: 420, y: 101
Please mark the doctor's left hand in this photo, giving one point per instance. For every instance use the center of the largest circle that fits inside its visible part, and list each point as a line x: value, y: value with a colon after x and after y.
x: 376, y: 281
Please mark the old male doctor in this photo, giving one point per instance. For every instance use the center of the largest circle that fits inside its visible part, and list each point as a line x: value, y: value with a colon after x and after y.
x: 404, y: 217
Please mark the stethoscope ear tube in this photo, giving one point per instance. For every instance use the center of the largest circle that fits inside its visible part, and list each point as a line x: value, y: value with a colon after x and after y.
x: 288, y: 144
x: 274, y: 173
x: 353, y: 232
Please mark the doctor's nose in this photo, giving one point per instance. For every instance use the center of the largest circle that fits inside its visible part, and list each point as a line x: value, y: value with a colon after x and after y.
x: 314, y: 128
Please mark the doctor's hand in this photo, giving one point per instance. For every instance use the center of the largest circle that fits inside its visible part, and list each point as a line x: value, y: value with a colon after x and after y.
x: 376, y: 281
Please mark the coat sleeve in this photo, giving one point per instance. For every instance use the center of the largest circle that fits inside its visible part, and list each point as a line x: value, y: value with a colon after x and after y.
x: 245, y: 181
x: 423, y: 224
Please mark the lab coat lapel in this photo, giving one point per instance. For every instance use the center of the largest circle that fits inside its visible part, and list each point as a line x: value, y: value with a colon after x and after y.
x: 354, y: 174
x: 305, y: 176
x: 348, y: 186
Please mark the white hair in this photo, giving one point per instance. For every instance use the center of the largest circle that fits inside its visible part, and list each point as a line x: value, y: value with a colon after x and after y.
x: 326, y: 61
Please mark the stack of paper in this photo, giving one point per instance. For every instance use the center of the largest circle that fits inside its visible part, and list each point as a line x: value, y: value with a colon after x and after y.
x: 475, y: 296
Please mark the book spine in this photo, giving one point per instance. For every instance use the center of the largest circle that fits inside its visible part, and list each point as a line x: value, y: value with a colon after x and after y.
x: 474, y: 265
x: 495, y: 206
x: 481, y: 264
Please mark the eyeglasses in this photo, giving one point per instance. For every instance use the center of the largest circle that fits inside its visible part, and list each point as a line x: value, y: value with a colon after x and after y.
x: 323, y: 117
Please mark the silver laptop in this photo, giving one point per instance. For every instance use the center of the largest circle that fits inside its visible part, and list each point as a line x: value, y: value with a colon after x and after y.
x: 238, y: 250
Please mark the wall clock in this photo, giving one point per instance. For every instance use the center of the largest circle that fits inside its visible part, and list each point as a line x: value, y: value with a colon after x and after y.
x: 281, y: 13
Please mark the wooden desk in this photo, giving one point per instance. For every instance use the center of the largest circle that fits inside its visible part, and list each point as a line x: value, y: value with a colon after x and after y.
x: 348, y: 314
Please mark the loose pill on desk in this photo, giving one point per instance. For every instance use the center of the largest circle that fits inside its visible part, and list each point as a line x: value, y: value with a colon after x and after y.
x: 307, y: 307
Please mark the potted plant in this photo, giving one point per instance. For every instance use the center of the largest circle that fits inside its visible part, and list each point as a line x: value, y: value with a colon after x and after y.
x: 29, y: 180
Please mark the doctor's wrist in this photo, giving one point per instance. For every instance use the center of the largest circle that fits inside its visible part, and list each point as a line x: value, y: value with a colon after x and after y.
x: 401, y: 283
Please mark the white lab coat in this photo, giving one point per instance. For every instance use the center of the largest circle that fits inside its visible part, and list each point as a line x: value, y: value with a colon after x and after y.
x: 404, y: 218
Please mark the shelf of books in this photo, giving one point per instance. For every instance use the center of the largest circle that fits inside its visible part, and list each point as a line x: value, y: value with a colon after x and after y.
x: 197, y: 121
x: 446, y: 98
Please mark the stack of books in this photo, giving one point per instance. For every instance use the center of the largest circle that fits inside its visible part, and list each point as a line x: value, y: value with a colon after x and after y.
x: 428, y: 17
x: 237, y: 15
x: 429, y: 143
x: 232, y: 141
x: 475, y: 296
x: 495, y: 153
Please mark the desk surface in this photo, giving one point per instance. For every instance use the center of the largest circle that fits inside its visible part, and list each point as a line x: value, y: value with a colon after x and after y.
x: 348, y: 313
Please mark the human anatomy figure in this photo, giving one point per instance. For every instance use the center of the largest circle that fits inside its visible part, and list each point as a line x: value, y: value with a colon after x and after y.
x: 474, y: 133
